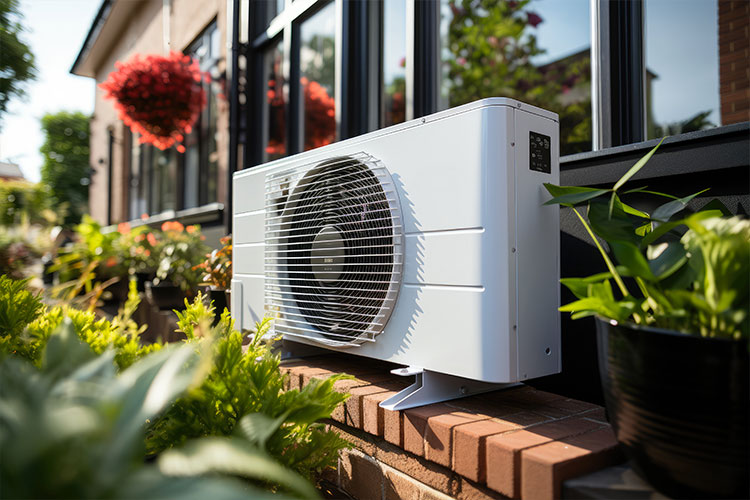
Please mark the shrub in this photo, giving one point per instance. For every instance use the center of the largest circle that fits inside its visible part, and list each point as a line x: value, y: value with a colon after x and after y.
x: 245, y: 391
x: 73, y: 428
x: 26, y: 326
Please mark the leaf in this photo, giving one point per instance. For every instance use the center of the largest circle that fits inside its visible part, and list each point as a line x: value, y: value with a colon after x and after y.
x: 665, y: 227
x: 716, y: 204
x: 65, y: 352
x: 617, y: 228
x: 670, y: 257
x: 571, y: 195
x: 231, y: 456
x: 258, y: 428
x: 635, y: 168
x: 150, y: 483
x: 664, y: 212
x: 629, y: 256
x: 580, y: 286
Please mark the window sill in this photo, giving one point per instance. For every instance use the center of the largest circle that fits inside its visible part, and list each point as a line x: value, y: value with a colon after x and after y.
x: 211, y: 213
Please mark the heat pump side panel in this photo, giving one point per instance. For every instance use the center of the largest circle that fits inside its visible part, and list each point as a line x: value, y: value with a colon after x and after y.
x: 537, y: 237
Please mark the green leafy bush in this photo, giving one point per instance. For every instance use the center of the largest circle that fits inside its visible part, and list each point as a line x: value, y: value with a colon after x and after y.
x: 245, y: 392
x: 26, y: 325
x: 74, y: 428
x: 690, y: 270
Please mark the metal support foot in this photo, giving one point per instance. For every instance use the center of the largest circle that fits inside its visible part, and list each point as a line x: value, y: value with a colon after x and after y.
x: 433, y: 387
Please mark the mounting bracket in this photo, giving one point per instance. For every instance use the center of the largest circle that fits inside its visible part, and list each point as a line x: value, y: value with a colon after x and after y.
x: 433, y: 387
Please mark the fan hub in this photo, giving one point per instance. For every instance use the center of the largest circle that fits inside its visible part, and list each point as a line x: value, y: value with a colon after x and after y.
x: 327, y: 255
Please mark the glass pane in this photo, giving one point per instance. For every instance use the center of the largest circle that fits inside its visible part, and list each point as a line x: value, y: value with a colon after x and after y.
x: 191, y: 173
x: 212, y: 172
x: 137, y: 204
x: 536, y: 51
x: 317, y: 67
x: 164, y: 179
x: 394, y: 62
x: 682, y: 63
x: 275, y: 141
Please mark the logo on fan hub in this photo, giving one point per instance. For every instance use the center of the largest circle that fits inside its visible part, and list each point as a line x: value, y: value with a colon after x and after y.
x: 327, y: 255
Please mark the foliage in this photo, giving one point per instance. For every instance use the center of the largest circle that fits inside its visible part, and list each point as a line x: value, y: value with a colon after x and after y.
x: 17, y: 61
x: 244, y: 395
x: 26, y: 326
x: 158, y: 97
x: 74, y: 429
x: 690, y: 270
x: 66, y: 162
x: 179, y: 250
x: 17, y: 253
x: 217, y: 268
x: 489, y: 52
x: 25, y: 202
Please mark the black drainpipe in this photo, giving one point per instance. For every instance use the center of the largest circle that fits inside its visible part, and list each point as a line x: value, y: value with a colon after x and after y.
x: 233, y: 110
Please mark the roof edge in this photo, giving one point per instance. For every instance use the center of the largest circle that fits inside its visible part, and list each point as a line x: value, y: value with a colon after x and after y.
x: 96, y: 27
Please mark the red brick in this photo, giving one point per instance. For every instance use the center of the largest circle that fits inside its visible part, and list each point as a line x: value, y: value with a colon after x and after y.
x: 415, y: 424
x: 438, y: 436
x: 504, y: 450
x: 360, y: 476
x: 399, y: 486
x: 469, y: 490
x: 525, y: 418
x: 469, y: 446
x: 373, y: 421
x: 545, y: 467
x: 355, y: 403
x: 393, y: 427
x: 433, y: 475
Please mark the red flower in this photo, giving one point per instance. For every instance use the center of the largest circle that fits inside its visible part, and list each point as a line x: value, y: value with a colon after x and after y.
x: 533, y: 19
x: 123, y: 228
x: 158, y: 97
x: 151, y: 239
x: 111, y: 262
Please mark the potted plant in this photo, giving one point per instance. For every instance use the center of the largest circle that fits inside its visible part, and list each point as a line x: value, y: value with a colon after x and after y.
x: 672, y: 330
x: 217, y: 274
x: 178, y: 249
x: 140, y: 245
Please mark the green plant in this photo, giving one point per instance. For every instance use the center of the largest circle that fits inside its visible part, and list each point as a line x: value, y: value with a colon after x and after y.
x: 26, y: 326
x: 179, y: 250
x: 244, y: 394
x: 217, y: 268
x: 74, y: 428
x: 689, y: 270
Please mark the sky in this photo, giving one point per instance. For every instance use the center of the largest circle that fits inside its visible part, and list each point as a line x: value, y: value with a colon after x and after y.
x: 56, y: 30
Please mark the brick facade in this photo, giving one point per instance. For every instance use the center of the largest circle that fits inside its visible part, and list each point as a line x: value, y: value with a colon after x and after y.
x: 734, y: 60
x: 515, y: 443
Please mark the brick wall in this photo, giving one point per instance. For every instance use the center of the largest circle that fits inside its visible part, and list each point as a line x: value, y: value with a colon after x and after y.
x: 516, y: 443
x: 734, y: 60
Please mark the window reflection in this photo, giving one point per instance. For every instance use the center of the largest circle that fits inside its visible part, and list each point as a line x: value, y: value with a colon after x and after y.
x: 394, y: 62
x: 275, y: 146
x: 535, y: 51
x: 686, y: 88
x: 317, y: 80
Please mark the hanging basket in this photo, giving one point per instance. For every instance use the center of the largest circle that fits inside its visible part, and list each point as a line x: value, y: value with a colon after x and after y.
x: 158, y: 97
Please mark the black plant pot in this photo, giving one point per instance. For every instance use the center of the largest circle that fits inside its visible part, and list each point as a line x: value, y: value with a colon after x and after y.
x: 679, y: 407
x: 166, y: 296
x: 219, y: 298
x: 118, y: 290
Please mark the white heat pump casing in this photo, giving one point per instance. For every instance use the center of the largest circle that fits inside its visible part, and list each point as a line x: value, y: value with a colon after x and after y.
x: 479, y: 292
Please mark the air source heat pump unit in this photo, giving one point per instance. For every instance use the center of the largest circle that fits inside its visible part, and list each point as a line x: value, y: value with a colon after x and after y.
x: 425, y: 244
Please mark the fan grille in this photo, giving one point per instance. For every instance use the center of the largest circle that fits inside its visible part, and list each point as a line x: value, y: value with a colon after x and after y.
x: 333, y: 249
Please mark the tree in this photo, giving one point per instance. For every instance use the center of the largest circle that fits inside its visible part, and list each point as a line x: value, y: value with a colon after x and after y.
x: 16, y: 59
x: 66, y: 162
x: 489, y: 51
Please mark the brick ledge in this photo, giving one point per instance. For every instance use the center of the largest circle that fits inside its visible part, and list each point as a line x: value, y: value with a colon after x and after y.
x: 517, y: 443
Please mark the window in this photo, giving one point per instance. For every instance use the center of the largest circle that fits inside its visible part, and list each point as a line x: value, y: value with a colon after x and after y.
x: 393, y: 83
x: 274, y: 112
x: 317, y: 82
x: 686, y: 88
x: 537, y: 52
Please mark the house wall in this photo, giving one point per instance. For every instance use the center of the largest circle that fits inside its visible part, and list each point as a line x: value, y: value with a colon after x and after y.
x: 143, y: 34
x: 734, y: 60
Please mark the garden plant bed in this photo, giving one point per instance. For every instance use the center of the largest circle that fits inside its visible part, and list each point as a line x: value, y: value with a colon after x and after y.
x: 518, y: 443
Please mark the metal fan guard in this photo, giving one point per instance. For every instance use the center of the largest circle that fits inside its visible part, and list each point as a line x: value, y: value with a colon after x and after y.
x: 334, y: 258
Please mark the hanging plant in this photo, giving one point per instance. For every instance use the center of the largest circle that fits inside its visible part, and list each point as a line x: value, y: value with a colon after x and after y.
x: 158, y: 97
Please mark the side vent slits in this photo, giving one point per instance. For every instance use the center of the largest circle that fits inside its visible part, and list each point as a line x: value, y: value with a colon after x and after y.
x: 334, y: 249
